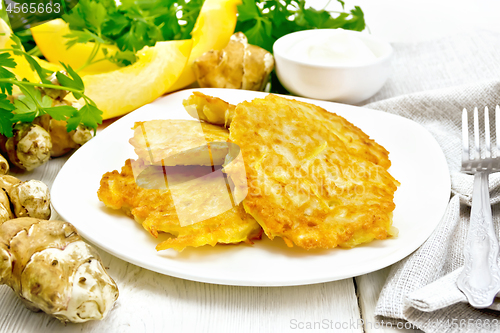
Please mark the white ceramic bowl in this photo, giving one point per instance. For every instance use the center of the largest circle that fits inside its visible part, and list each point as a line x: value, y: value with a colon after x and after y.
x: 345, y: 83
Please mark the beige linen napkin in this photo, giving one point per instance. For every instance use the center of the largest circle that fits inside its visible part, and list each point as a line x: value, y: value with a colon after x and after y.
x: 421, y: 289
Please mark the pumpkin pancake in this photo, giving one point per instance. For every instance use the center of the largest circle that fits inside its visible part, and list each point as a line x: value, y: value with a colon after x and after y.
x: 193, y: 205
x: 179, y: 142
x: 306, y: 184
x: 216, y: 111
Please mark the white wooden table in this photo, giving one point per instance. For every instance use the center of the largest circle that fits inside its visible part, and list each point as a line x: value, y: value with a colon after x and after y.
x: 151, y: 302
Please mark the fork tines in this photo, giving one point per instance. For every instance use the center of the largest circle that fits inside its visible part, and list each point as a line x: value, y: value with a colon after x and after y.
x: 476, y: 164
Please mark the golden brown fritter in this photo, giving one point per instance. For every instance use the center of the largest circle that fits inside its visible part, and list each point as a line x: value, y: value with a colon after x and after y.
x: 210, y: 109
x: 219, y: 112
x: 194, y: 195
x: 179, y: 142
x: 308, y: 185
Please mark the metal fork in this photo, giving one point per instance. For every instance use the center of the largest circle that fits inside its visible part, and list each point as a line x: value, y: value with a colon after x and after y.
x: 480, y: 278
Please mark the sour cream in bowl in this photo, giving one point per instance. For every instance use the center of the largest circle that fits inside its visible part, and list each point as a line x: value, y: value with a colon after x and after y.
x: 332, y: 64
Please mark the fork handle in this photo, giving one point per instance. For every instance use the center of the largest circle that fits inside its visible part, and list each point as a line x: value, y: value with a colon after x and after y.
x: 480, y: 278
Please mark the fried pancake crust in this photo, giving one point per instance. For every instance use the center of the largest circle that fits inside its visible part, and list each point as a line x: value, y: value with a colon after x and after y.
x: 155, y: 210
x: 216, y: 111
x: 304, y: 183
x: 179, y: 142
x: 213, y: 110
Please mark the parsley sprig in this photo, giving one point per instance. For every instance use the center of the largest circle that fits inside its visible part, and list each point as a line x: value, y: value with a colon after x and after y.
x: 129, y: 26
x: 264, y: 21
x: 133, y: 24
x: 32, y: 103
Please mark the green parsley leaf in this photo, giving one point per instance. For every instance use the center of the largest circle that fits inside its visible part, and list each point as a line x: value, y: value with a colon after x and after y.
x: 5, y: 103
x: 260, y: 34
x: 26, y: 39
x: 6, y: 87
x: 248, y: 10
x: 60, y: 112
x: 357, y: 22
x: 88, y: 115
x: 76, y: 78
x: 72, y: 80
x: 316, y: 18
x: 130, y: 41
x: 96, y: 14
x: 279, y: 12
x: 264, y: 21
x: 33, y: 103
x: 168, y: 23
x: 6, y: 60
x: 82, y: 37
x: 42, y: 72
x: 115, y: 24
x: 17, y: 42
x: 6, y: 122
x: 46, y: 102
x: 124, y: 57
x: 187, y: 12
x: 25, y: 104
x: 30, y: 91
x: 18, y: 50
x: 26, y: 117
x: 75, y: 19
x: 131, y: 25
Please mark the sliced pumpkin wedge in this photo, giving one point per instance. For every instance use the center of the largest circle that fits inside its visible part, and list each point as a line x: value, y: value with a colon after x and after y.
x: 212, y: 31
x: 22, y: 69
x: 51, y: 41
x: 130, y: 87
x: 213, y: 28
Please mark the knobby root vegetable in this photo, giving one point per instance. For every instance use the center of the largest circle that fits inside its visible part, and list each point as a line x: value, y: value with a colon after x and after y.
x: 238, y: 66
x: 34, y: 143
x: 23, y: 199
x: 5, y: 210
x: 52, y: 269
x: 30, y: 198
x: 7, y: 181
x: 4, y: 166
x: 28, y: 148
x: 62, y: 140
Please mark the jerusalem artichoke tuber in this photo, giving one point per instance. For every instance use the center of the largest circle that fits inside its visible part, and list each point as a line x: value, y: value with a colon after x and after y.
x: 24, y: 199
x: 4, y: 165
x: 4, y: 213
x: 34, y: 143
x: 28, y: 148
x: 62, y: 140
x: 5, y: 209
x: 52, y: 269
x: 30, y: 199
x: 7, y: 181
x: 239, y: 65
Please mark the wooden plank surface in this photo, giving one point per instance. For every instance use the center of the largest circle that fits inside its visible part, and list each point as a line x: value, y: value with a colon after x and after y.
x: 151, y: 302
x: 369, y: 287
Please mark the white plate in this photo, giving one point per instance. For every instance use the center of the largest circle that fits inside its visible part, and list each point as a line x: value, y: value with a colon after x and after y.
x: 417, y: 162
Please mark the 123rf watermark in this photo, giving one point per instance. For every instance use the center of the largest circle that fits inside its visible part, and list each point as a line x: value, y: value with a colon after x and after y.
x: 333, y: 325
